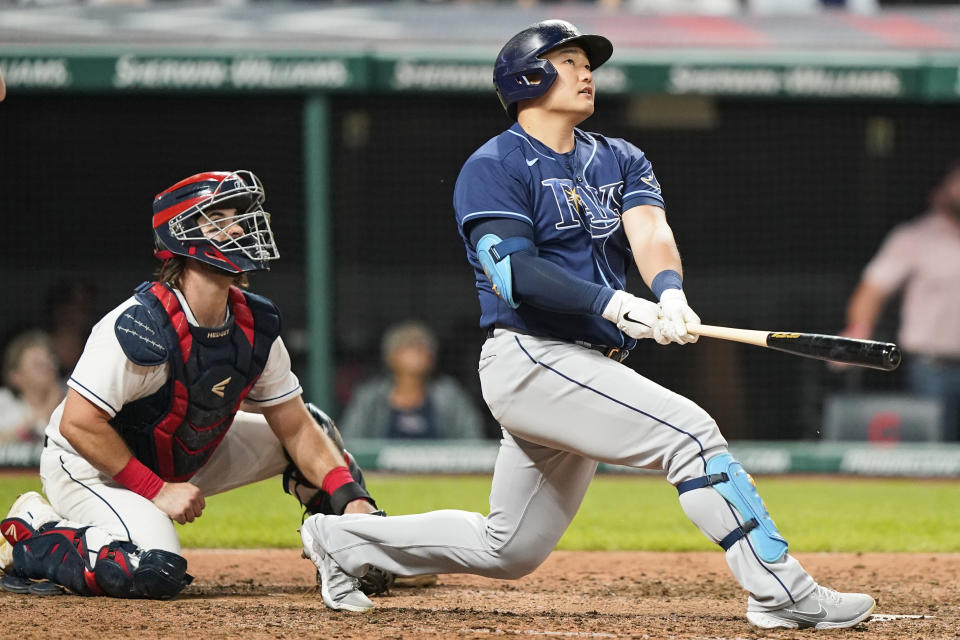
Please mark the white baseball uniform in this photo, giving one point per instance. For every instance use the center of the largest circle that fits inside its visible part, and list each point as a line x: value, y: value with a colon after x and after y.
x: 77, y: 491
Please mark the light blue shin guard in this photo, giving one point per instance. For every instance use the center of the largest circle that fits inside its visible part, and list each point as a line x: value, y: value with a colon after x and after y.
x: 730, y: 480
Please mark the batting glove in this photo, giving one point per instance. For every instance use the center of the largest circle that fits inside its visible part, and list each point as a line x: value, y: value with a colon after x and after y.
x: 675, y: 313
x: 634, y: 316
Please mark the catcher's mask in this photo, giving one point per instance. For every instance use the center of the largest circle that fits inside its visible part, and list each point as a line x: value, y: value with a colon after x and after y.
x: 193, y: 218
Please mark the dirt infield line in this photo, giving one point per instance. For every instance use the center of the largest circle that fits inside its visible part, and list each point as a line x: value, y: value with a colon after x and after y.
x: 261, y: 594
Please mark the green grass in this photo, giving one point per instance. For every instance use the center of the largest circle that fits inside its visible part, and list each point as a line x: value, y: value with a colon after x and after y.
x: 619, y: 512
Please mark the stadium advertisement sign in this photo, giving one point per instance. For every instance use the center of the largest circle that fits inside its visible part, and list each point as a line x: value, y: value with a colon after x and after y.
x: 798, y: 77
x: 133, y: 72
x: 792, y: 81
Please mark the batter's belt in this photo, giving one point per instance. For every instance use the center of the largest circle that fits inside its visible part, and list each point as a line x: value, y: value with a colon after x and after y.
x: 614, y: 353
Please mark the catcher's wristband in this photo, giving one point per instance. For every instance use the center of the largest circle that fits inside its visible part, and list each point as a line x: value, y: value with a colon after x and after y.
x: 343, y: 489
x: 346, y: 494
x: 139, y: 479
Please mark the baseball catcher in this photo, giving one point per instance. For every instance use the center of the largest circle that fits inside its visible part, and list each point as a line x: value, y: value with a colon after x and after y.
x: 183, y: 391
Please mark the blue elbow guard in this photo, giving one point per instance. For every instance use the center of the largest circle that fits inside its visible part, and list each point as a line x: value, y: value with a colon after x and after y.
x: 731, y: 481
x: 494, y: 255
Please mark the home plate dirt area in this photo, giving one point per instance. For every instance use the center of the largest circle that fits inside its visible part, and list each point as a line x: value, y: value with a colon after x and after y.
x: 271, y: 594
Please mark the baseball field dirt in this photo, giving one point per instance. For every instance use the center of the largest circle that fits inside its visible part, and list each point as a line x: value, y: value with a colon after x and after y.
x: 271, y: 594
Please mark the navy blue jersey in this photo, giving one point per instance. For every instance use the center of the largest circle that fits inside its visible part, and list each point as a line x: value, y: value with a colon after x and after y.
x: 573, y: 201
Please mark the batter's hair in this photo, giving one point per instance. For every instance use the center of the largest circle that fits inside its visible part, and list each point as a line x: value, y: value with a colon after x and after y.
x: 171, y: 271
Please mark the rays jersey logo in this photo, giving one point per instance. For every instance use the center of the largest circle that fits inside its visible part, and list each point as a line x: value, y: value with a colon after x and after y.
x: 596, y: 209
x: 651, y: 181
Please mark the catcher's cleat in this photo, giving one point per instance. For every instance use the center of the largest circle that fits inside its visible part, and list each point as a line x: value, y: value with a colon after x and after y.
x: 16, y: 584
x: 375, y: 582
x: 822, y: 609
x: 27, y: 514
x: 340, y: 590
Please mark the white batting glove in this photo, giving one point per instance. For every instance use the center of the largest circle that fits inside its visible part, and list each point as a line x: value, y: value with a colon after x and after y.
x: 634, y: 316
x: 675, y: 313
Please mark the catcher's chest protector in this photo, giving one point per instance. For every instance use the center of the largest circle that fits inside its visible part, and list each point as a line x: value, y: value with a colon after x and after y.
x: 175, y: 430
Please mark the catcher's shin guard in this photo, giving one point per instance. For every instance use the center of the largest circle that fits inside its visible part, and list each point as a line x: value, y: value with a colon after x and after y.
x: 60, y: 555
x: 57, y: 554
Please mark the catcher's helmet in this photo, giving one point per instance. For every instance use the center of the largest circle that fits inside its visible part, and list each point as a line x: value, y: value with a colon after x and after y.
x: 238, y: 243
x: 520, y: 58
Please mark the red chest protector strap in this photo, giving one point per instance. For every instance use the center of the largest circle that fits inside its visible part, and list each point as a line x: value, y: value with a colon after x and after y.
x: 163, y: 432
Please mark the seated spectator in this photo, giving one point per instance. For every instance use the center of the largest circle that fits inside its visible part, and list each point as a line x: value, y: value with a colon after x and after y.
x: 33, y: 389
x: 408, y: 401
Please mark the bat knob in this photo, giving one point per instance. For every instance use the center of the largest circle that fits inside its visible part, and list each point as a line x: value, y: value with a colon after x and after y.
x: 891, y: 357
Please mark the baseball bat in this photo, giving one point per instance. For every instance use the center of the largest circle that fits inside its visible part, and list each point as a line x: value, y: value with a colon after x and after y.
x: 863, y: 353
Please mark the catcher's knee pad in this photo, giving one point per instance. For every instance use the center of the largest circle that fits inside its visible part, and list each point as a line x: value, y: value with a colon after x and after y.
x: 311, y: 497
x: 730, y: 480
x: 160, y: 574
x: 156, y: 574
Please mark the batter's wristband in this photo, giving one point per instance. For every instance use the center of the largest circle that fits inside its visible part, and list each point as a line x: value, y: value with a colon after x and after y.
x: 139, y: 479
x: 666, y: 279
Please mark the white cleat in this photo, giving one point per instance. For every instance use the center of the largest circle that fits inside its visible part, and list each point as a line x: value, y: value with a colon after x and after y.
x: 32, y: 508
x: 822, y: 609
x: 340, y: 590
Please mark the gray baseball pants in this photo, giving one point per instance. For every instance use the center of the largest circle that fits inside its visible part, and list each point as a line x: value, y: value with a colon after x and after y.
x: 563, y: 408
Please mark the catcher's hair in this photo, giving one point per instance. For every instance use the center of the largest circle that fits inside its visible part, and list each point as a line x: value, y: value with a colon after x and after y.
x: 171, y: 271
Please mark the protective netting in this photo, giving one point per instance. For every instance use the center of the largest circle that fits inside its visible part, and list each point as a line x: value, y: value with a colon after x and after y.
x: 776, y: 207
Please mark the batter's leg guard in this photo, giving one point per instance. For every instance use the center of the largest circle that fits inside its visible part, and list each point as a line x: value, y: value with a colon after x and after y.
x: 315, y: 500
x: 730, y: 480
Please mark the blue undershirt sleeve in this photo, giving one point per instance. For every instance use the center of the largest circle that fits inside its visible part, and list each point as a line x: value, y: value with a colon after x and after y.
x: 539, y: 282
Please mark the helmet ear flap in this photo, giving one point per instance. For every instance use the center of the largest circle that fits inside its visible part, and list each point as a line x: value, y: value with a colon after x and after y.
x: 518, y: 85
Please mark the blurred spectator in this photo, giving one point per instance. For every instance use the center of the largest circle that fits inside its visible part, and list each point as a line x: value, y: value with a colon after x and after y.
x: 811, y: 6
x: 922, y: 257
x: 70, y: 314
x: 32, y: 389
x: 3, y: 88
x: 408, y: 401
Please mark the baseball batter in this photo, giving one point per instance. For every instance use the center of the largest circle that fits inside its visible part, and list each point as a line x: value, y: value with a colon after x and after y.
x: 182, y: 391
x: 552, y: 217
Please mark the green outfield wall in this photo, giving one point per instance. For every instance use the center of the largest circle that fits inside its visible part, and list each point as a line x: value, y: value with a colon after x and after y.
x: 900, y: 76
x: 478, y: 456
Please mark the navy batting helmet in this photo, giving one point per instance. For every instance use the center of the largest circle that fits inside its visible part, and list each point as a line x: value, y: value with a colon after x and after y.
x: 519, y: 65
x: 182, y: 224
